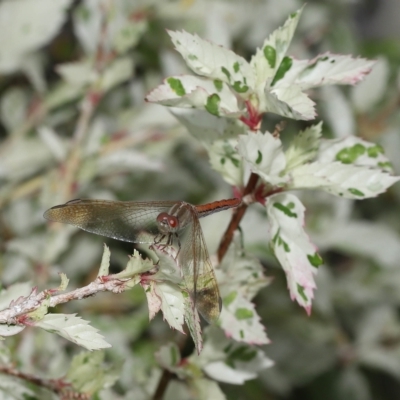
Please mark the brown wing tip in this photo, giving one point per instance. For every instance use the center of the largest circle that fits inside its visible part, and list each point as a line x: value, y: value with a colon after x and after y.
x: 209, y: 305
x: 50, y: 213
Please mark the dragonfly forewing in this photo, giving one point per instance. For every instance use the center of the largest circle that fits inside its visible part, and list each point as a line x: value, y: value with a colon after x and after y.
x: 123, y: 220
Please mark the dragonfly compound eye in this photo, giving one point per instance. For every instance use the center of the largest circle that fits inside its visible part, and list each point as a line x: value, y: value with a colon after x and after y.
x: 167, y: 223
x: 172, y: 221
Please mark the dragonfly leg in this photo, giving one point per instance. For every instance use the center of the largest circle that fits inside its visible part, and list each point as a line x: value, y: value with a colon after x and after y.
x: 158, y: 241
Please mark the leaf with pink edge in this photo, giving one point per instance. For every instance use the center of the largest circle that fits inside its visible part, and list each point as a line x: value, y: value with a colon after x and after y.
x: 292, y: 246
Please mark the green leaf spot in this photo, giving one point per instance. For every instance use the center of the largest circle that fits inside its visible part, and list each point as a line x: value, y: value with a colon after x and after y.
x: 218, y: 84
x: 270, y: 55
x: 356, y: 192
x: 238, y: 87
x: 300, y: 290
x: 278, y: 241
x: 284, y: 67
x: 315, y: 63
x: 286, y: 247
x: 285, y: 210
x: 315, y: 260
x: 176, y: 86
x: 235, y: 162
x: 350, y: 154
x: 276, y: 237
x: 212, y: 104
x: 192, y: 57
x: 385, y: 165
x: 229, y: 298
x: 259, y: 157
x: 227, y: 349
x: 374, y: 151
x: 222, y: 160
x: 236, y: 67
x: 243, y: 353
x: 241, y: 334
x: 231, y: 155
x: 243, y: 313
x: 226, y: 72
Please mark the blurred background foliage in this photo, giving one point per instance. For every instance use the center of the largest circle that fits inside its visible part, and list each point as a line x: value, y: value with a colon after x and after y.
x: 73, y: 76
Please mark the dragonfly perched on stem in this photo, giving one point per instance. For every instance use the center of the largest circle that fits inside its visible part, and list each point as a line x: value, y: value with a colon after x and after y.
x: 156, y: 222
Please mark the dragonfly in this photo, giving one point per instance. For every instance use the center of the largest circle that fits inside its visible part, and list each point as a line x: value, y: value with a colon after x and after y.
x: 157, y: 223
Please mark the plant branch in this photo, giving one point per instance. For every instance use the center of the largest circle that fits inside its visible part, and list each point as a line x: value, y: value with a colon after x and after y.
x: 58, y: 386
x: 236, y: 218
x: 88, y: 106
x: 17, y: 313
x: 162, y: 384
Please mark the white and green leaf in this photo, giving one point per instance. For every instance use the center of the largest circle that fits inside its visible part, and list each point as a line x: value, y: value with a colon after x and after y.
x: 240, y: 272
x: 208, y: 128
x: 168, y: 357
x: 14, y: 293
x: 88, y: 372
x: 327, y: 69
x: 213, y: 61
x: 225, y: 159
x: 153, y: 300
x: 344, y: 180
x: 78, y: 73
x: 268, y: 62
x: 117, y: 72
x: 10, y: 330
x: 188, y: 91
x: 264, y: 156
x: 304, y: 147
x: 172, y: 304
x: 292, y: 246
x: 75, y: 329
x: 12, y: 388
x: 206, y: 389
x: 125, y: 26
x: 354, y: 151
x: 128, y: 32
x: 227, y: 361
x: 23, y: 29
x: 288, y: 101
x: 240, y: 320
x: 135, y: 266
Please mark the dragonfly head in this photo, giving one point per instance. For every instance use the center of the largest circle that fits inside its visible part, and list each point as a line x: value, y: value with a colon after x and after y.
x: 167, y: 223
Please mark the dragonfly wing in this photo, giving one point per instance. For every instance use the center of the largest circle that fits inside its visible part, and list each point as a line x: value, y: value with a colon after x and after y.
x: 198, y: 272
x: 129, y: 221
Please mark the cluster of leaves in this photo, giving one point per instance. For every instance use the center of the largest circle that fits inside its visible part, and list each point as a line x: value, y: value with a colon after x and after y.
x: 119, y: 145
